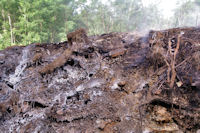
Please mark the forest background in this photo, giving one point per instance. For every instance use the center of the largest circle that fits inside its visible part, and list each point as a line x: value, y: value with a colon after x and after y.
x: 23, y: 22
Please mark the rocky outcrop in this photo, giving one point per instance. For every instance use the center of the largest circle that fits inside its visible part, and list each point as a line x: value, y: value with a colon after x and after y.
x: 116, y: 82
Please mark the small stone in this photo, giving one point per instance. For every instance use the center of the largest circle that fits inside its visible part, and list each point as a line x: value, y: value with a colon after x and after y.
x: 122, y: 83
x: 117, y: 52
x: 101, y: 123
x: 60, y: 112
x: 25, y: 107
x: 161, y: 114
x: 179, y: 84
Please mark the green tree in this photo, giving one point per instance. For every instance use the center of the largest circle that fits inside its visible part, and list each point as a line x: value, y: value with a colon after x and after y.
x: 41, y: 21
x: 9, y: 15
x: 26, y: 21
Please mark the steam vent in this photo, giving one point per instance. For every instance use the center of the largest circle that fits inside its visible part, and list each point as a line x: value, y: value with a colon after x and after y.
x: 111, y: 83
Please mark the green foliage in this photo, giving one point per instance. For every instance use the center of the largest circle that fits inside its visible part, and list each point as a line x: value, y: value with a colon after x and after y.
x: 26, y: 21
x: 34, y: 21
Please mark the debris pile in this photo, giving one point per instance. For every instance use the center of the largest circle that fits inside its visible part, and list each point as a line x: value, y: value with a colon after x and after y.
x: 115, y: 82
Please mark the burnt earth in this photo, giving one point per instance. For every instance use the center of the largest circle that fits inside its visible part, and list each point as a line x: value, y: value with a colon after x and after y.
x: 117, y: 82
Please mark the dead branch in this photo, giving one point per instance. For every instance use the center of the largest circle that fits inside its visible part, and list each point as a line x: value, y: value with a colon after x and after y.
x: 172, y: 66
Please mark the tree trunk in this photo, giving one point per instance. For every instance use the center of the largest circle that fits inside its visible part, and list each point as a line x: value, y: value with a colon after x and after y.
x: 197, y: 17
x: 54, y: 30
x: 103, y: 20
x: 4, y: 19
x: 11, y: 30
x: 66, y: 28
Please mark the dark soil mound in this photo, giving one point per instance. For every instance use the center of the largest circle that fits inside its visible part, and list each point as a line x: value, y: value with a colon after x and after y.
x: 116, y: 82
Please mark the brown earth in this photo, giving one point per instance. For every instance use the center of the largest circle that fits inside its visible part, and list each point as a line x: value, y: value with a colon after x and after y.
x: 115, y: 82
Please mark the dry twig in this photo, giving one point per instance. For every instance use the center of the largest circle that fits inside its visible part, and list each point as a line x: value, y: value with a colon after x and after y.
x: 171, y: 67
